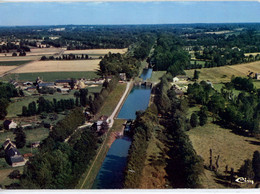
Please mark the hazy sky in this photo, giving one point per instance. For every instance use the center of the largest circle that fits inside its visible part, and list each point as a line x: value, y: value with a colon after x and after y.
x: 56, y: 13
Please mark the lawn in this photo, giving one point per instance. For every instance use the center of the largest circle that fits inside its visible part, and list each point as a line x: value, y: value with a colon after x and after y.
x: 219, y: 86
x: 51, y: 76
x: 112, y: 100
x: 13, y: 63
x: 156, y: 75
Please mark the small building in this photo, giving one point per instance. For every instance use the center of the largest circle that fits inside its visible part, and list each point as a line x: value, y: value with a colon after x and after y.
x: 102, y: 125
x: 12, y: 155
x: 64, y: 83
x: 27, y: 83
x: 182, y: 77
x: 9, y: 124
x: 46, y: 84
x: 257, y: 76
x: 175, y: 79
x: 122, y: 76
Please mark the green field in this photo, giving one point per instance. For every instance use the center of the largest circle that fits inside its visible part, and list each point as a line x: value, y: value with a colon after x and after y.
x: 112, y: 100
x: 257, y: 83
x: 13, y: 63
x: 50, y: 76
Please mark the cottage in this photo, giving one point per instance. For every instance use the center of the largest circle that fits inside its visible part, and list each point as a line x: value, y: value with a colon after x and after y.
x: 9, y: 124
x: 257, y: 76
x: 12, y: 155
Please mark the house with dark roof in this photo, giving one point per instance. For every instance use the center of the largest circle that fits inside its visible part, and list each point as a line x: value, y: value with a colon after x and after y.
x: 9, y: 124
x: 12, y: 156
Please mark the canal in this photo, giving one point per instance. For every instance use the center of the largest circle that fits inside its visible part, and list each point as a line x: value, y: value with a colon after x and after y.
x: 111, y: 173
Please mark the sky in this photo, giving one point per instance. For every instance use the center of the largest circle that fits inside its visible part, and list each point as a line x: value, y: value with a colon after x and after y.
x: 15, y: 13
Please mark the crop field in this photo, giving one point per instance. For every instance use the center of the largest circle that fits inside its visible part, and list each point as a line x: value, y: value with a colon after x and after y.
x: 50, y: 76
x: 44, y: 51
x: 96, y: 51
x: 224, y: 73
x: 59, y: 66
x: 233, y: 149
x: 13, y: 63
x: 4, y: 69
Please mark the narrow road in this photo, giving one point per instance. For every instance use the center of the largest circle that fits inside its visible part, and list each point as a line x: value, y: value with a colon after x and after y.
x: 111, y: 122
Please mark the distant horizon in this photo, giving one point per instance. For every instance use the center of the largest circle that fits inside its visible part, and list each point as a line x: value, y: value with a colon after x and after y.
x: 130, y: 24
x: 128, y: 13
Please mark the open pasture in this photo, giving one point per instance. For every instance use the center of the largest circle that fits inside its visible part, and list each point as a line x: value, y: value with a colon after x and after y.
x: 233, y: 149
x: 19, y: 58
x: 4, y: 69
x: 224, y: 73
x: 96, y: 51
x: 59, y: 66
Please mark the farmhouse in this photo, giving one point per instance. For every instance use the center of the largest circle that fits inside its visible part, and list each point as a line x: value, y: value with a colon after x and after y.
x: 12, y: 155
x: 257, y: 76
x: 9, y: 124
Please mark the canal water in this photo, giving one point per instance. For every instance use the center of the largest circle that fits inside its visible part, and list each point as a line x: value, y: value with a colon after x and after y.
x: 111, y: 173
x: 146, y: 74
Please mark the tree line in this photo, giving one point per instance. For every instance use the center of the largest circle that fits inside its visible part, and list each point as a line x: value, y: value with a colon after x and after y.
x: 141, y: 134
x: 67, y: 57
x: 184, y: 165
x: 43, y: 105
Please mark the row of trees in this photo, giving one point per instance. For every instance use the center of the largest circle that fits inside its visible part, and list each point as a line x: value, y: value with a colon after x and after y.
x: 59, y: 165
x: 66, y: 57
x: 142, y: 131
x: 184, y: 165
x: 47, y: 106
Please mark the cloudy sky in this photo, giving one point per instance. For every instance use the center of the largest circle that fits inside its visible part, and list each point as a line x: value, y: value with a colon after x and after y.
x: 14, y: 12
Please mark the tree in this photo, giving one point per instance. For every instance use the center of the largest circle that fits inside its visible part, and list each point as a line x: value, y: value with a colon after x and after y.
x: 25, y: 111
x: 196, y: 75
x: 14, y: 54
x: 203, y: 117
x: 72, y: 83
x: 14, y: 174
x: 246, y: 170
x: 194, y: 120
x: 83, y: 97
x: 20, y: 138
x: 256, y: 165
x: 3, y: 106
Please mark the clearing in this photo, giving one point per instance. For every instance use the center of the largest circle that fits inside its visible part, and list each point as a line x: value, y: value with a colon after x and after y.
x: 233, y: 149
x: 224, y: 73
x: 57, y: 66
